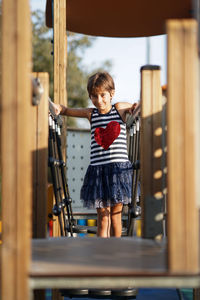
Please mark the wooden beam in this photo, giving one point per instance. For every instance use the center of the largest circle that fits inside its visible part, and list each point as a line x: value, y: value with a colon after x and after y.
x: 16, y: 149
x: 40, y: 159
x: 151, y: 152
x: 183, y: 146
x: 60, y: 60
x: 60, y: 52
x: 60, y: 71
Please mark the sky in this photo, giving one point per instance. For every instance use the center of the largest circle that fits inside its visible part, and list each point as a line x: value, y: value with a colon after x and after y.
x: 127, y: 55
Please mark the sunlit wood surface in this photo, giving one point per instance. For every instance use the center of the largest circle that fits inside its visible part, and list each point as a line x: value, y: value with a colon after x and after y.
x: 183, y: 146
x: 15, y: 147
x: 97, y: 257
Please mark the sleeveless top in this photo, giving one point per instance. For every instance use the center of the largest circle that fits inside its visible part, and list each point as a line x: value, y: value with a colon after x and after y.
x: 108, y: 138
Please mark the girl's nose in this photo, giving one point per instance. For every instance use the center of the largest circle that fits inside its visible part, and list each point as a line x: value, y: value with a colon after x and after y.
x: 99, y: 98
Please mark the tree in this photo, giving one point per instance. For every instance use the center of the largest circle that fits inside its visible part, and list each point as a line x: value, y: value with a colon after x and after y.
x: 77, y: 74
x: 42, y: 47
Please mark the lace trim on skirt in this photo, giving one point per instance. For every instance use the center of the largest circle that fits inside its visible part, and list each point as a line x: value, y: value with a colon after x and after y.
x: 106, y: 185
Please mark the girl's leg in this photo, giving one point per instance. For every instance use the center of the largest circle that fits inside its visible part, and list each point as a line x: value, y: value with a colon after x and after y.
x: 116, y: 219
x: 103, y: 222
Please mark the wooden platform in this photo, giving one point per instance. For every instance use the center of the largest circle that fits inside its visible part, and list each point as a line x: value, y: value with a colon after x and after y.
x: 102, y: 263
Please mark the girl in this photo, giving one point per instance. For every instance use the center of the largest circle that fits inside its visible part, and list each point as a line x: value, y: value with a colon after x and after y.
x: 108, y: 180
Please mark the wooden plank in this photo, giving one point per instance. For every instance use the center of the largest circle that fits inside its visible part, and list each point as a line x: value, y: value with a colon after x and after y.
x: 196, y: 294
x: 40, y: 158
x: 60, y: 52
x: 56, y: 52
x: 151, y: 152
x: 56, y: 295
x: 63, y: 53
x: 34, y: 119
x: 16, y: 149
x: 67, y: 257
x: 183, y: 146
x: 60, y: 71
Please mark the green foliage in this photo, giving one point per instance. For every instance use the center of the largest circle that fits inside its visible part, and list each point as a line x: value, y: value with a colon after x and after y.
x: 77, y: 74
x: 42, y: 47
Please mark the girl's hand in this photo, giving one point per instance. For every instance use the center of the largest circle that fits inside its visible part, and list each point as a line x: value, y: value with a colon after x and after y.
x: 55, y: 108
x: 132, y: 109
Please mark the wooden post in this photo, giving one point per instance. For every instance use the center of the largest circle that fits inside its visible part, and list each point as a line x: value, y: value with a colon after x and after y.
x: 60, y: 52
x: 151, y: 152
x: 196, y: 294
x: 60, y: 70
x: 183, y: 146
x: 16, y: 125
x: 60, y: 77
x: 40, y: 159
x: 60, y: 59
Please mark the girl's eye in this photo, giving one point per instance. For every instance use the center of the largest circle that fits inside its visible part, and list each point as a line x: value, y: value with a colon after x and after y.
x: 103, y: 95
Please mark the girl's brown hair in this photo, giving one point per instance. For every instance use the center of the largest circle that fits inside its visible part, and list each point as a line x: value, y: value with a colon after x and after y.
x: 100, y: 80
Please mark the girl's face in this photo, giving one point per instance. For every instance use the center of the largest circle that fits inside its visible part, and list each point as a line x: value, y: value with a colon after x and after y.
x: 102, y: 100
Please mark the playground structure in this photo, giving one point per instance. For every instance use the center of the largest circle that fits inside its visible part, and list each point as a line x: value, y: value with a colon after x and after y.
x: 24, y: 150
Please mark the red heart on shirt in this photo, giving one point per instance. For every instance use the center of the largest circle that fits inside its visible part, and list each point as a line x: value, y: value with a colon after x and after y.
x: 105, y: 137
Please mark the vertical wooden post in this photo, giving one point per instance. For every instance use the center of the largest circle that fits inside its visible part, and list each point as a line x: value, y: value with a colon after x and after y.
x: 183, y: 146
x: 60, y: 52
x: 151, y: 152
x: 60, y: 69
x: 40, y: 158
x: 16, y: 126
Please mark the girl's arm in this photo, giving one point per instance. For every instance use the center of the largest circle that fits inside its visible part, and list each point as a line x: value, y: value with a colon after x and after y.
x: 76, y: 112
x: 125, y: 107
x: 72, y: 112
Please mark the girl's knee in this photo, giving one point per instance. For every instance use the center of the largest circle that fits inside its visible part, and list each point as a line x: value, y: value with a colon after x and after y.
x: 116, y: 210
x: 104, y: 212
x: 103, y: 215
x: 116, y: 213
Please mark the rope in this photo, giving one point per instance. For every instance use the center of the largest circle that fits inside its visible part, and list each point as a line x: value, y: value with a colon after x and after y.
x: 134, y: 210
x: 63, y: 205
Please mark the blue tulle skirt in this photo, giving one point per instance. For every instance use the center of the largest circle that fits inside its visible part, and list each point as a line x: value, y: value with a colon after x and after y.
x: 106, y: 185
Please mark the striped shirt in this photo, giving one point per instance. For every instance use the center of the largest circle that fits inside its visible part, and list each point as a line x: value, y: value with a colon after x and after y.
x: 108, y: 138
